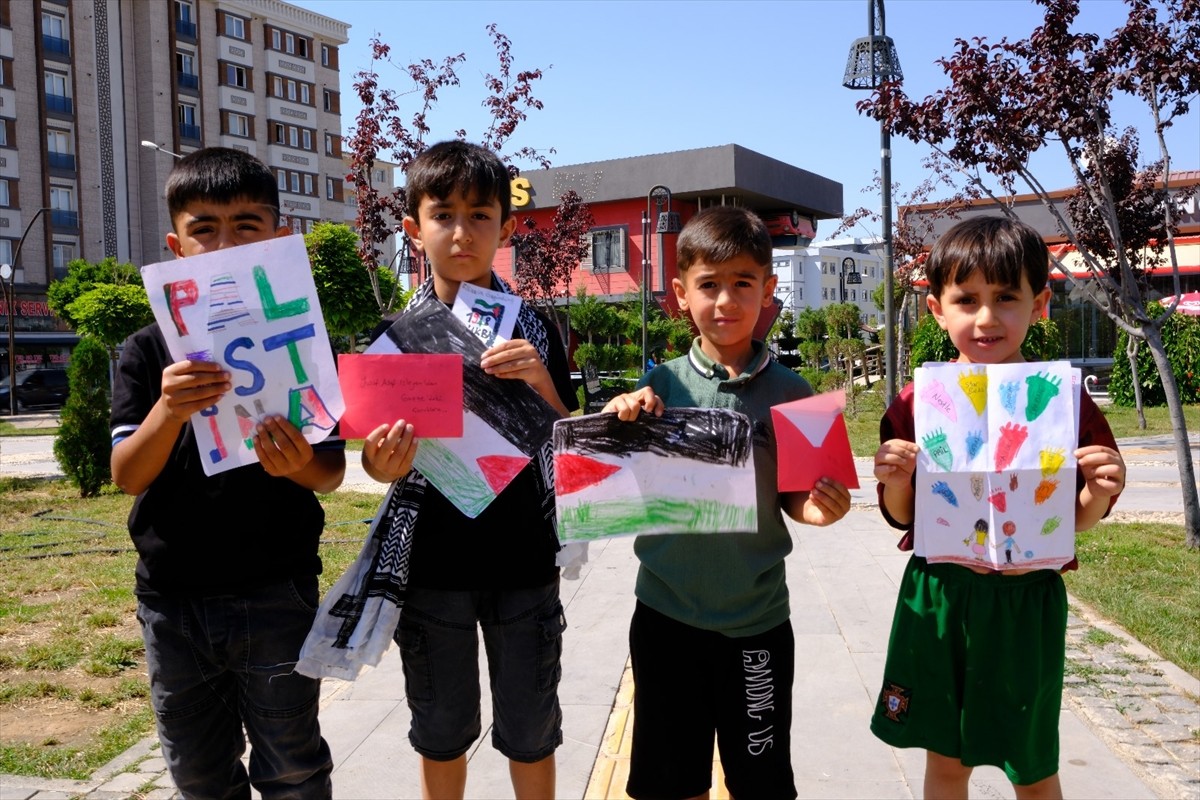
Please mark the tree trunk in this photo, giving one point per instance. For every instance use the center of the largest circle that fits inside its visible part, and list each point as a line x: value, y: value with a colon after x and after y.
x: 1187, y: 473
x: 1131, y: 354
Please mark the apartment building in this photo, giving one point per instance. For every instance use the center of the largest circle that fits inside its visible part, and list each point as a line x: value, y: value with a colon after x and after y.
x: 118, y: 89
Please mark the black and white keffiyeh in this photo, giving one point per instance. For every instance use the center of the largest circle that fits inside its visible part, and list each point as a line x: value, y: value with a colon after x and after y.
x: 357, y: 618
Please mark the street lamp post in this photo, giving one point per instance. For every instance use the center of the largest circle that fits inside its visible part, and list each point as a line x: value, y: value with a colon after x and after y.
x: 160, y: 148
x: 848, y: 275
x: 667, y: 222
x: 8, y: 276
x: 873, y: 62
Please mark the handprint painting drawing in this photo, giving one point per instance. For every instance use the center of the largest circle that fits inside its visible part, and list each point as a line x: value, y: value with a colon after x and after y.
x: 996, y: 443
x: 252, y: 309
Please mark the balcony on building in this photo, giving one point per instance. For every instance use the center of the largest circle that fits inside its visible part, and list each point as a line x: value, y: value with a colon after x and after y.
x: 59, y: 104
x: 185, y: 29
x: 191, y: 132
x: 56, y: 45
x: 61, y: 161
x: 63, y: 220
x: 189, y: 81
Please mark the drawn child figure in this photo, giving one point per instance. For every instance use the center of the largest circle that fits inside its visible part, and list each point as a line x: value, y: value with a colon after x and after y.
x: 977, y: 540
x: 227, y: 565
x: 711, y: 642
x: 1009, y: 543
x: 987, y: 285
x: 464, y: 575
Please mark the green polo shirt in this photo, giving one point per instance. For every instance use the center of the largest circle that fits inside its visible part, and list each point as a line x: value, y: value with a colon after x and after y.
x: 731, y: 583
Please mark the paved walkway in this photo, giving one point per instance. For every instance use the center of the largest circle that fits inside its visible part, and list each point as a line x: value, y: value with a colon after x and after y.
x: 1128, y: 724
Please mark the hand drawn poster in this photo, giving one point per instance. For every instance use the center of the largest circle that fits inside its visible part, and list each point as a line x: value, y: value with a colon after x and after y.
x: 426, y: 391
x: 689, y: 471
x: 490, y: 315
x: 995, y: 476
x: 812, y: 442
x: 252, y: 309
x: 505, y: 422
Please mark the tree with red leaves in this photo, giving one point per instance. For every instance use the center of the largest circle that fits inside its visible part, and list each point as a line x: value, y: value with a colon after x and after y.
x: 1008, y: 100
x: 545, y: 258
x: 379, y: 128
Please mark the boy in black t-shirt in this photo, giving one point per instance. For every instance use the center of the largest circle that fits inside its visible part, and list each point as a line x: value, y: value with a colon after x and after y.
x: 496, y: 571
x: 227, y: 565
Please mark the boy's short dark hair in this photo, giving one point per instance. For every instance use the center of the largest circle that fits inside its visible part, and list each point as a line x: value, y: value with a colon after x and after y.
x: 1003, y: 249
x: 472, y: 170
x: 220, y: 175
x: 720, y: 233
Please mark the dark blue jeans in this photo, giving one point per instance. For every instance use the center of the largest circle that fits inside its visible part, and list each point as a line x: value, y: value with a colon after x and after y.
x: 221, y: 664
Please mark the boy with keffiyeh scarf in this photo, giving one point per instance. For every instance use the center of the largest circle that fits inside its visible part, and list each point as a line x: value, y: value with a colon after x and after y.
x: 448, y: 575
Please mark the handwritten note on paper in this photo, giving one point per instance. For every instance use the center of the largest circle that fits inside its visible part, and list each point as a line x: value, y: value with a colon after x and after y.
x: 423, y: 390
x: 996, y: 473
x: 252, y: 309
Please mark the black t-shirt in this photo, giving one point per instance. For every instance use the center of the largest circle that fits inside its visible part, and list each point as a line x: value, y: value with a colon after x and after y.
x: 509, y: 545
x: 199, y: 535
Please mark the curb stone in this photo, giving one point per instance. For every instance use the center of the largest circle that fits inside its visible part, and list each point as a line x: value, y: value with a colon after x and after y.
x: 1144, y: 707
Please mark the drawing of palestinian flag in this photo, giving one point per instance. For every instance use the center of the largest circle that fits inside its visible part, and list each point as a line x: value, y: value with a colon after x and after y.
x: 472, y: 469
x: 689, y: 471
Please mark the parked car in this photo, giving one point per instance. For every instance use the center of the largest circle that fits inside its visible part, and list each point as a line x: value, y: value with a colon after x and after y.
x: 36, y: 388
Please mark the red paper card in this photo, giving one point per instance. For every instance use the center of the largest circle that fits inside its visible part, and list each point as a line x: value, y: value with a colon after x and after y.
x: 423, y: 390
x: 812, y: 442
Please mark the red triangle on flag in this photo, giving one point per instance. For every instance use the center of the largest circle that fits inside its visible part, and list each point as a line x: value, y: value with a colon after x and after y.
x: 499, y: 471
x: 572, y: 472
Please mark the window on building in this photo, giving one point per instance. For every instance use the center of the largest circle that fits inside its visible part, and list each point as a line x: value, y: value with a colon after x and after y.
x: 6, y: 251
x: 185, y: 63
x: 236, y: 75
x: 56, y: 84
x: 330, y: 188
x: 295, y: 176
x: 325, y: 55
x: 61, y: 198
x: 183, y: 11
x: 55, y: 33
x: 291, y: 90
x: 824, y: 292
x: 239, y: 124
x: 289, y: 43
x: 281, y: 175
x: 235, y: 27
x: 308, y: 184
x: 6, y: 72
x: 305, y: 94
x: 58, y: 141
x: 276, y: 86
x: 379, y: 176
x: 5, y: 197
x: 278, y: 133
x: 329, y: 100
x: 799, y: 293
x: 293, y: 136
x: 306, y: 139
x: 61, y: 255
x: 276, y: 39
x: 607, y: 252
x: 4, y: 123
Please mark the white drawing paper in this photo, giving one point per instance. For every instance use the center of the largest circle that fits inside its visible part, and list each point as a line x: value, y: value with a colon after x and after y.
x: 995, y: 482
x: 490, y: 315
x: 252, y: 309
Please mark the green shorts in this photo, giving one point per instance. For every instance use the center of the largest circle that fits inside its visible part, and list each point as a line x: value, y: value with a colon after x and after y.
x: 974, y: 668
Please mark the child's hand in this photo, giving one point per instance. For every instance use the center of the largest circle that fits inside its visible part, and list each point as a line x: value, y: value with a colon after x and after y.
x: 1103, y: 469
x: 281, y: 448
x: 629, y: 405
x: 826, y: 503
x: 895, y: 462
x: 515, y: 359
x: 190, y: 386
x: 388, y: 451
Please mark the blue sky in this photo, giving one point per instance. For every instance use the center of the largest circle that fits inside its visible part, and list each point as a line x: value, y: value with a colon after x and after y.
x: 627, y: 78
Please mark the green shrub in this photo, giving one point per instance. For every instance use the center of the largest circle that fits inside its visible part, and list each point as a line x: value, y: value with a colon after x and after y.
x: 1181, y: 338
x: 84, y: 444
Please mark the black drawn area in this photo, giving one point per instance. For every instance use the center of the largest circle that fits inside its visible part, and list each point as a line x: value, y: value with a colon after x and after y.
x: 511, y: 407
x: 711, y: 435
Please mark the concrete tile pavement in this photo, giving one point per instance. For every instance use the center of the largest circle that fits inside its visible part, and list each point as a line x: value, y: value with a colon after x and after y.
x: 843, y: 581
